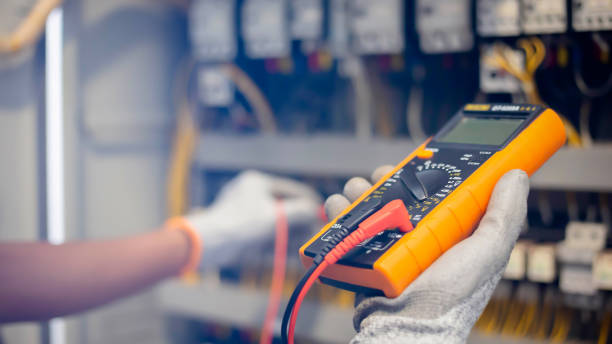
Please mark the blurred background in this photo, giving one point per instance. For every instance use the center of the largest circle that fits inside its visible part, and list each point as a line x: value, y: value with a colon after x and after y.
x: 126, y: 112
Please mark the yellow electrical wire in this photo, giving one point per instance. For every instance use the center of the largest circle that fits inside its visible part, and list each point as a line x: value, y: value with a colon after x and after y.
x: 30, y: 28
x: 381, y: 102
x: 543, y: 322
x: 489, y: 319
x: 183, y: 144
x: 565, y: 329
x: 498, y: 316
x: 535, y: 52
x: 527, y: 320
x: 180, y: 161
x: 561, y: 326
x: 512, y: 318
x: 573, y: 138
x: 486, y: 317
x: 556, y: 324
x: 604, y: 331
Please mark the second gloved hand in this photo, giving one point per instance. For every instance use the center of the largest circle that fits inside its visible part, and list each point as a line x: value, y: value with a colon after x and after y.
x: 245, y: 212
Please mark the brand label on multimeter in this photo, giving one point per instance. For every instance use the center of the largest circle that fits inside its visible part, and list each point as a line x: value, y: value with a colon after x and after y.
x: 421, y: 184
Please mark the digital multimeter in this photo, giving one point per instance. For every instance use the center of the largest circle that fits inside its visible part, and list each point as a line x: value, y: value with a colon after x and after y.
x: 445, y: 185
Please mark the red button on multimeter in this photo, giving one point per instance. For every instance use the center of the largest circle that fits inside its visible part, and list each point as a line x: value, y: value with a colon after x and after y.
x: 445, y: 194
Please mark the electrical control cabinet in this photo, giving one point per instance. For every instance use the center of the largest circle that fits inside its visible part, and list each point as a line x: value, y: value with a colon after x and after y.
x: 414, y: 63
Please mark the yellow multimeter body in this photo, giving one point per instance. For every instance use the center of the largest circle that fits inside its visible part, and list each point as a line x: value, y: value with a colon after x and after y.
x: 445, y: 184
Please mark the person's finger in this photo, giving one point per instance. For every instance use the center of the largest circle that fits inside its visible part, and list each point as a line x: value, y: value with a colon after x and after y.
x: 380, y: 172
x: 355, y: 187
x: 335, y: 204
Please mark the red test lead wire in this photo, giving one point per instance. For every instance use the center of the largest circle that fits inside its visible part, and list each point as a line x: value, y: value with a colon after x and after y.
x: 392, y: 215
x: 278, y: 275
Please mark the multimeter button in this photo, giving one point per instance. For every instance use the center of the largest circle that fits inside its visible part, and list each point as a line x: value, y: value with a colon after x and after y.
x: 424, y: 154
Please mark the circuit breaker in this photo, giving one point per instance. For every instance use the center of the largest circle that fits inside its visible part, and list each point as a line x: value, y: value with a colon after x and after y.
x: 543, y: 16
x: 265, y: 28
x: 493, y: 78
x: 444, y: 26
x: 307, y: 19
x: 592, y: 15
x: 211, y: 29
x: 497, y: 18
x: 377, y: 27
x: 338, y: 28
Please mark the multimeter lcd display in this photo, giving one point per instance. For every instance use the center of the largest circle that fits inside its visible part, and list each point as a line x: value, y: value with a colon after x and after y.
x: 482, y: 131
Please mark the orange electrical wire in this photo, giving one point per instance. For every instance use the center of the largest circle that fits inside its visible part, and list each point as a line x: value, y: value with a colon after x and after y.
x: 278, y: 274
x: 30, y: 28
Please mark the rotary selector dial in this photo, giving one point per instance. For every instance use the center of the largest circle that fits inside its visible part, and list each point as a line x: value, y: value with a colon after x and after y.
x: 436, y: 180
x: 432, y: 180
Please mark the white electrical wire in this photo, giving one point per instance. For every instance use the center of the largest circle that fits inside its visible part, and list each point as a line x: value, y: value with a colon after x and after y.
x: 588, y: 90
x: 414, y: 106
x: 414, y: 114
x: 585, y: 115
x: 604, y: 209
x: 55, y: 146
x: 594, y: 92
x: 544, y: 208
x: 355, y: 71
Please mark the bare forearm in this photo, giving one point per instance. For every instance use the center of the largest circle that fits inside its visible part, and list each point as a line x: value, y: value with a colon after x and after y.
x: 40, y: 281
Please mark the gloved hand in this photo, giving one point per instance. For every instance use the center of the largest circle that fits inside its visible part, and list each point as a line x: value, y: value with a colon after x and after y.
x: 444, y: 302
x: 245, y: 212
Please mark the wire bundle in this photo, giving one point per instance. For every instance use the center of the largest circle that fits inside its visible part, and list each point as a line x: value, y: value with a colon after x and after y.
x: 535, y: 52
x: 545, y: 320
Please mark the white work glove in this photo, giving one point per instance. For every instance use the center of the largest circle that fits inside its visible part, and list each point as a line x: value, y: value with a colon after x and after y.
x: 444, y: 302
x: 244, y: 214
